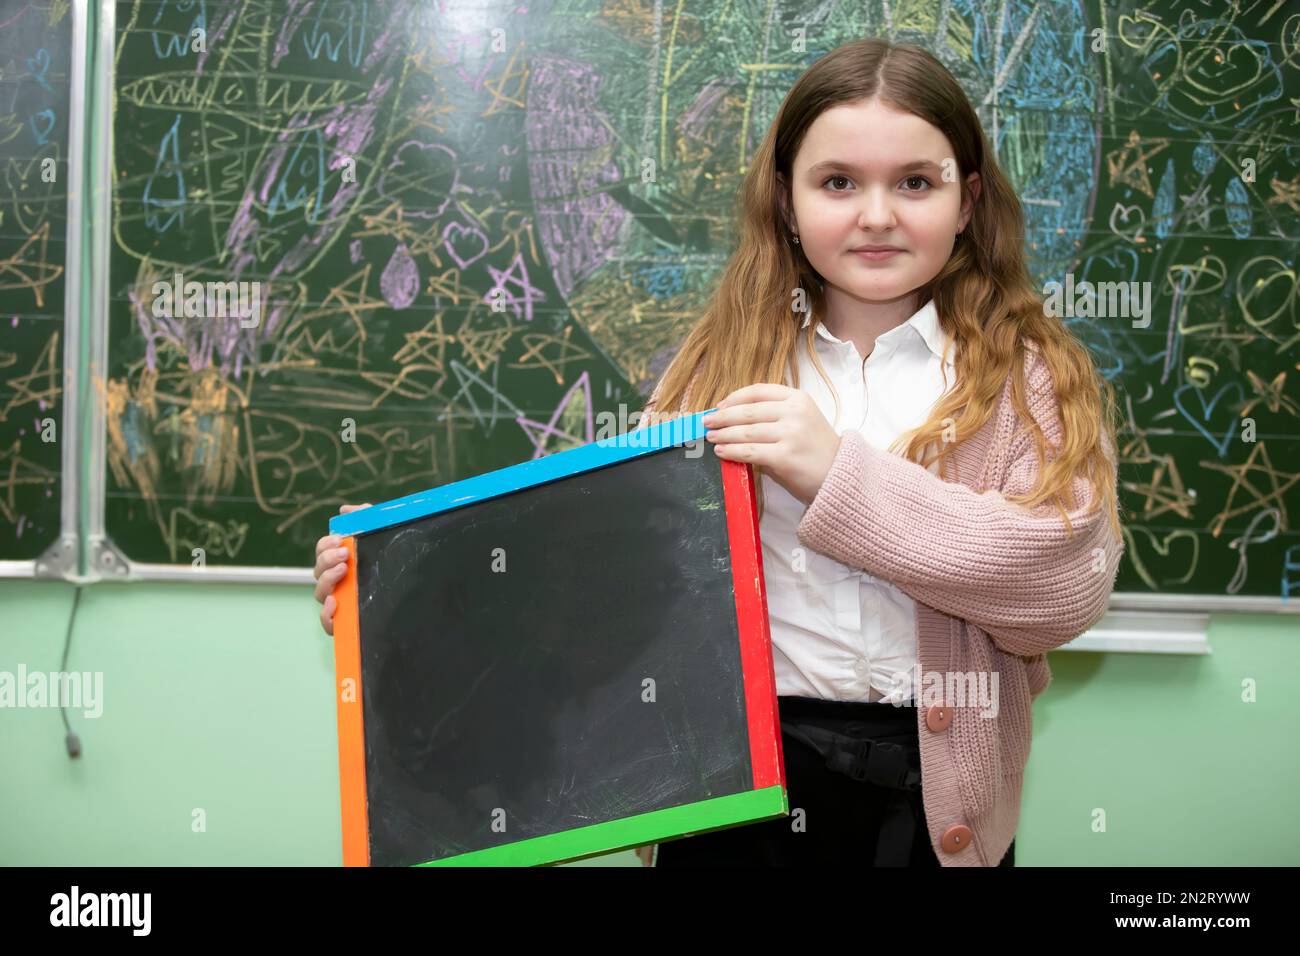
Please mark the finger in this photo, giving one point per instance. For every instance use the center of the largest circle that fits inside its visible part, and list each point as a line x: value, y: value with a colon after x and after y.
x: 328, y: 579
x: 327, y: 619
x: 328, y: 559
x: 329, y: 541
x: 759, y: 392
x: 325, y: 586
x: 769, y: 411
x: 754, y: 454
x: 761, y: 432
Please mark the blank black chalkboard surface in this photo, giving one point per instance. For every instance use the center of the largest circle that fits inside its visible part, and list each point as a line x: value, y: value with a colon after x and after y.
x: 562, y: 658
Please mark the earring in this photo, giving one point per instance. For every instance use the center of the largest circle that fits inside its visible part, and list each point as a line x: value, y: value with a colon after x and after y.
x: 796, y: 240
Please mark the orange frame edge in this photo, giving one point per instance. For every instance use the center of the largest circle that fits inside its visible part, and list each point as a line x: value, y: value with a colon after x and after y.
x: 352, y: 740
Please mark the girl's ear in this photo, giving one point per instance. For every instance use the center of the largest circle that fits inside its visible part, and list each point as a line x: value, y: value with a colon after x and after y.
x: 972, y: 194
x: 783, y: 201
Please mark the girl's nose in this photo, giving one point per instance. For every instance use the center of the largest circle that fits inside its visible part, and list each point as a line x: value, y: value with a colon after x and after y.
x: 877, y: 212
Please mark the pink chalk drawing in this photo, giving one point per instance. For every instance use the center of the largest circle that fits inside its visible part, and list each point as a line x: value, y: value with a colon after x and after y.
x: 466, y: 236
x: 420, y: 174
x: 539, y: 433
x: 400, y: 282
x: 578, y: 222
x: 516, y: 275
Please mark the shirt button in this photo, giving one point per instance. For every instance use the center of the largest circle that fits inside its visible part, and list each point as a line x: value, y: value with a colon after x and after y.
x: 861, y: 667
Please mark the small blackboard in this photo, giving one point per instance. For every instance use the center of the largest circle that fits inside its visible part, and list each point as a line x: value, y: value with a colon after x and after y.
x: 559, y: 659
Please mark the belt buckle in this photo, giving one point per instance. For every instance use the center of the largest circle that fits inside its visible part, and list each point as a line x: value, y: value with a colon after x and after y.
x: 859, y: 768
x: 888, y: 765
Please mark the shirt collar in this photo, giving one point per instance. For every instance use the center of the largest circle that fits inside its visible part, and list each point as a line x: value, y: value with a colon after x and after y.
x: 924, y: 323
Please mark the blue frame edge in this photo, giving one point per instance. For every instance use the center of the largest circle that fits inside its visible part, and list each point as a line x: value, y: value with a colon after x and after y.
x: 503, y: 481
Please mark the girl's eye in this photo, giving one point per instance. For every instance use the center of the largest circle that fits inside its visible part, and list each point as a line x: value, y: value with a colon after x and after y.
x: 918, y: 179
x: 832, y: 179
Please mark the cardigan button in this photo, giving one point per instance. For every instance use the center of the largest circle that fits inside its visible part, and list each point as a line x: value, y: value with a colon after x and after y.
x: 938, y: 718
x: 955, y: 839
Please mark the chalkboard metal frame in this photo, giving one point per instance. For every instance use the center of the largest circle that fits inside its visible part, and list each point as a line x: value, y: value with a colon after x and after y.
x: 61, y: 559
x: 768, y: 795
x: 1158, y: 604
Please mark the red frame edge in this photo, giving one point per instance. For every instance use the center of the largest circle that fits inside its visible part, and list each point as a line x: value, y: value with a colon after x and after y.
x: 761, y: 708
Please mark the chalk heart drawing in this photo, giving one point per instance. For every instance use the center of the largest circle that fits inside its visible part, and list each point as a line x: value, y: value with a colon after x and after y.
x: 418, y: 174
x: 1162, y: 548
x: 1125, y: 214
x: 461, y: 242
x: 39, y: 66
x: 47, y: 120
x: 1201, y: 420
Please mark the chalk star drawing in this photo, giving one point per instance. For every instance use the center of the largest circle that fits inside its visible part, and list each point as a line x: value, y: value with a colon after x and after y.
x: 419, y: 343
x: 1239, y: 475
x: 560, y: 352
x: 540, y: 434
x: 1270, y: 393
x: 16, y: 470
x: 1288, y: 193
x: 1170, y: 496
x: 468, y: 379
x: 1132, y: 170
x: 516, y: 275
x: 1197, y: 206
x: 45, y: 367
x: 27, y: 267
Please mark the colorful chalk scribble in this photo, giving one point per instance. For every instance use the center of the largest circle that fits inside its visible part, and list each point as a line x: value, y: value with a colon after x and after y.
x: 447, y: 207
x: 35, y: 82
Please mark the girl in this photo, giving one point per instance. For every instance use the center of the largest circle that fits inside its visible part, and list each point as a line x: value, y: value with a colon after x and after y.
x: 912, y: 595
x: 937, y: 479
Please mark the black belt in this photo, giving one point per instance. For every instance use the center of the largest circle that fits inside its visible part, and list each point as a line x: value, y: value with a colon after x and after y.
x: 867, y: 747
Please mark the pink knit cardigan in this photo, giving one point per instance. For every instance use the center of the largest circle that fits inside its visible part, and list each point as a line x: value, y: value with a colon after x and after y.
x: 996, y: 586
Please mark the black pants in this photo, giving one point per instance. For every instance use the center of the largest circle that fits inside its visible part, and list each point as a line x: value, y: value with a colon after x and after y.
x: 842, y: 818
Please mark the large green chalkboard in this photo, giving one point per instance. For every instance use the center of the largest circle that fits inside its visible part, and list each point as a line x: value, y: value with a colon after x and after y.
x: 473, y: 234
x: 1197, y: 194
x: 36, y: 99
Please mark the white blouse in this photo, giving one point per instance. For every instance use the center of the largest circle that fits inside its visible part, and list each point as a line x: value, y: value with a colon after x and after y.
x: 838, y: 633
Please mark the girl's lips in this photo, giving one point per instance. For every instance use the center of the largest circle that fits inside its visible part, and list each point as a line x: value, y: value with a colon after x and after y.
x: 874, y: 255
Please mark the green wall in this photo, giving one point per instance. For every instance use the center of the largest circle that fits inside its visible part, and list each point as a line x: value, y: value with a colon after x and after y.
x: 220, y: 697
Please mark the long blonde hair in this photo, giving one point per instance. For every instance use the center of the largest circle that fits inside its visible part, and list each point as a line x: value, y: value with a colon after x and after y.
x: 986, y: 304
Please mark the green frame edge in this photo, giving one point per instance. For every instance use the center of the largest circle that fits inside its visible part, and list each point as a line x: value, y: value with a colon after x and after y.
x: 614, y: 835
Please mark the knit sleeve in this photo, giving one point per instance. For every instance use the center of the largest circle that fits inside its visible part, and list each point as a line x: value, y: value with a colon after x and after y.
x: 1014, y: 572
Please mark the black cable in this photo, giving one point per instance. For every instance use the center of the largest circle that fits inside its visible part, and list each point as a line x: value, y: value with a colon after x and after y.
x: 72, y: 741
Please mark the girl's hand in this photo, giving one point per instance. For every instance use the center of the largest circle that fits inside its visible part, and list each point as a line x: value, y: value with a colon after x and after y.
x: 645, y: 853
x: 331, y: 565
x: 779, y: 428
